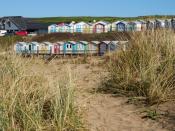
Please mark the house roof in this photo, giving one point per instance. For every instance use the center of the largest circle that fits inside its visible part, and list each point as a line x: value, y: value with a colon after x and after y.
x: 25, y: 23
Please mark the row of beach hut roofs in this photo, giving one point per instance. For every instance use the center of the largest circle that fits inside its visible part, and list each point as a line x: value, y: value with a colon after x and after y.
x: 69, y: 47
x: 103, y: 26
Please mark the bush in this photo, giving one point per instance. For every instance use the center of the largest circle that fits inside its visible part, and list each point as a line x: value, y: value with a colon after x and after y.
x: 146, y: 69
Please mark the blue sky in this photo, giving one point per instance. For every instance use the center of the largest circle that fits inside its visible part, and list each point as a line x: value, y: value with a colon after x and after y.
x: 48, y: 8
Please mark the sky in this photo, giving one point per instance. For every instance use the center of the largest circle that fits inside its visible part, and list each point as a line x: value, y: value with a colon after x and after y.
x: 53, y: 8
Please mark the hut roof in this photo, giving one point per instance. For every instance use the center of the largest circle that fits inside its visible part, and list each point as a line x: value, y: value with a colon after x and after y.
x: 21, y: 43
x: 114, y: 42
x: 84, y: 42
x: 96, y: 42
x: 72, y: 42
x: 60, y: 42
x: 47, y: 43
x: 106, y: 42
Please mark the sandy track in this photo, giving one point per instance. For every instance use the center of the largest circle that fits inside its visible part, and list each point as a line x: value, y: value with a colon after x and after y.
x: 104, y: 112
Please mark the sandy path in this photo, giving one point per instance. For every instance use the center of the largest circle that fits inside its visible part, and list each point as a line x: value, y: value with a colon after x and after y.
x: 104, y: 112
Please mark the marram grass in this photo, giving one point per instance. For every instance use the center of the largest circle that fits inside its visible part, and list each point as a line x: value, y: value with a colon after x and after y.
x: 29, y: 102
x: 146, y: 68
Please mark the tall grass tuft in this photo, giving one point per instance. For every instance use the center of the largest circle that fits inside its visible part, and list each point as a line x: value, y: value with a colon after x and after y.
x: 6, y: 42
x: 146, y: 69
x: 32, y: 101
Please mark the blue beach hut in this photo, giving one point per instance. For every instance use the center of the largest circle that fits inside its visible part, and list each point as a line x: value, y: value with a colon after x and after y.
x: 70, y: 47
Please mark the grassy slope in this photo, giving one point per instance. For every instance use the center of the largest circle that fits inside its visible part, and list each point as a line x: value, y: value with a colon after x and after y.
x: 88, y: 18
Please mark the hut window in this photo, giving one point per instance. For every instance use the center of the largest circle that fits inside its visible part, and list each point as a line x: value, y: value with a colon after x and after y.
x: 70, y: 46
x: 67, y: 46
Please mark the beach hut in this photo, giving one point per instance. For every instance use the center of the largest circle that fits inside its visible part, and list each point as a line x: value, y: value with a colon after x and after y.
x: 119, y: 26
x: 101, y: 27
x: 33, y: 47
x: 52, y: 28
x: 168, y: 24
x: 143, y: 25
x: 45, y: 48
x: 82, y: 27
x: 150, y: 25
x: 134, y: 26
x: 112, y: 46
x: 71, y: 27
x: 63, y: 27
x: 103, y: 47
x: 70, y: 47
x: 82, y: 47
x: 93, y: 47
x: 57, y: 47
x: 130, y: 26
x: 20, y: 47
x: 159, y: 24
x: 173, y: 23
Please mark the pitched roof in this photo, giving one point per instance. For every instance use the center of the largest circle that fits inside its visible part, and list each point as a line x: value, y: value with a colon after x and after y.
x: 25, y: 23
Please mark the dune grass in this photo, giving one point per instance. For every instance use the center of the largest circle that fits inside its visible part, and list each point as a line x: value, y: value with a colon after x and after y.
x: 146, y: 69
x: 7, y: 41
x: 32, y: 101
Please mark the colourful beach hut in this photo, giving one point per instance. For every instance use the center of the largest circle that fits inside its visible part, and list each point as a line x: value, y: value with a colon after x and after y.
x: 119, y: 26
x: 20, y: 47
x: 168, y: 24
x: 33, y: 47
x: 113, y: 45
x: 45, y: 48
x: 82, y: 47
x: 130, y: 26
x: 94, y: 47
x: 52, y: 28
x: 173, y: 23
x: 103, y: 47
x: 150, y: 25
x: 143, y: 25
x: 101, y: 27
x: 57, y: 48
x: 159, y: 24
x: 70, y: 47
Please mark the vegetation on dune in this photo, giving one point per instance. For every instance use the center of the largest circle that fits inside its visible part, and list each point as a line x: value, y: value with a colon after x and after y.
x: 33, y: 102
x: 146, y: 69
x: 52, y: 20
x: 6, y: 42
x: 54, y: 37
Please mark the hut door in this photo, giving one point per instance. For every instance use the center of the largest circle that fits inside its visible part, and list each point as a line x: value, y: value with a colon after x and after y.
x: 103, y: 48
x: 30, y: 47
x: 56, y: 49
